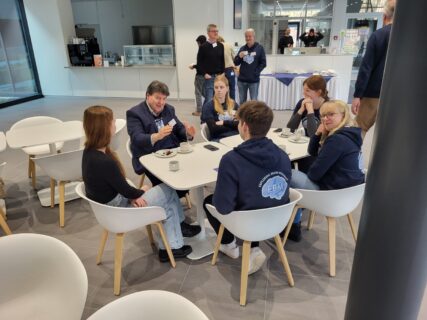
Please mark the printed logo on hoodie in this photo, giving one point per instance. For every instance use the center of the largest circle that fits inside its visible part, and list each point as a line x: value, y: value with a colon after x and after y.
x: 274, y: 185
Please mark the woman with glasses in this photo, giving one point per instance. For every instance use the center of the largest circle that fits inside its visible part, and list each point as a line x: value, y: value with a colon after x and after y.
x: 337, y: 147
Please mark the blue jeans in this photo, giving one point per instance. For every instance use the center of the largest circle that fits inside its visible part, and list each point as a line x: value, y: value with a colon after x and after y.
x: 231, y: 77
x: 208, y: 89
x: 165, y: 197
x: 243, y: 91
x: 301, y: 181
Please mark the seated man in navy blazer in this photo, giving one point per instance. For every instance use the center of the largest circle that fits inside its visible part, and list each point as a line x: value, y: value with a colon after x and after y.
x: 152, y: 125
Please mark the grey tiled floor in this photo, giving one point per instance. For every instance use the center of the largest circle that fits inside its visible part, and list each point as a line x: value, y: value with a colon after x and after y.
x: 215, y: 289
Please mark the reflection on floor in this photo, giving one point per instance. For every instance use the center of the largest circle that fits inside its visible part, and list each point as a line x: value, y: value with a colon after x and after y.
x: 215, y: 289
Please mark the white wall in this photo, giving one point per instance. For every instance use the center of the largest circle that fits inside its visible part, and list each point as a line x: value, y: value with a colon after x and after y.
x: 51, y: 25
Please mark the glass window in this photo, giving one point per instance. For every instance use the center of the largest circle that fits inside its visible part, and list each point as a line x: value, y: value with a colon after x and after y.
x: 18, y: 75
x: 361, y: 6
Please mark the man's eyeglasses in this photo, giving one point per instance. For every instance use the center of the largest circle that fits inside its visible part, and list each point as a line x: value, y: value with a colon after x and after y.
x: 215, y: 31
x: 328, y: 115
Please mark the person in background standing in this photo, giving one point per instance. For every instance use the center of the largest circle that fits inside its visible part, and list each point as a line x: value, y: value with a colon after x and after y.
x: 311, y: 39
x: 229, y: 67
x: 199, y: 80
x: 210, y: 61
x: 286, y: 41
x: 251, y: 59
x: 368, y: 84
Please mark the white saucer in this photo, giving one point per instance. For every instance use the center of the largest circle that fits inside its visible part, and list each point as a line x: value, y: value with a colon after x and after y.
x: 285, y: 135
x: 184, y: 152
x: 300, y: 140
x: 165, y: 153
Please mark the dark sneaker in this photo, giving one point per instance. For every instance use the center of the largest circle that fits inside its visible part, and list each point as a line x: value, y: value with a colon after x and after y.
x: 177, y: 253
x: 196, y: 113
x: 295, y: 233
x: 189, y: 230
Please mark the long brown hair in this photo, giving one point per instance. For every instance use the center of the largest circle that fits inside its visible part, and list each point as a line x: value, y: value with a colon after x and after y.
x: 97, y: 122
x: 228, y: 101
x: 316, y: 83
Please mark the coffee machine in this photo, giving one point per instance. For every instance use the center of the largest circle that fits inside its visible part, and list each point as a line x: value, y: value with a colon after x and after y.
x: 82, y: 54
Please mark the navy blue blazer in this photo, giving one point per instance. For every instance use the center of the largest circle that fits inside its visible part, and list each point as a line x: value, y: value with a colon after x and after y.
x: 141, y: 124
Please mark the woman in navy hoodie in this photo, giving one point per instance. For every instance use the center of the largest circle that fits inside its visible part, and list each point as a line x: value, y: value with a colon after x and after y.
x: 219, y: 112
x: 337, y: 147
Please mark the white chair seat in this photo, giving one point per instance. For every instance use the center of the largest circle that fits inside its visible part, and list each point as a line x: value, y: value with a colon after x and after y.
x: 148, y: 305
x: 41, y: 278
x: 42, y: 149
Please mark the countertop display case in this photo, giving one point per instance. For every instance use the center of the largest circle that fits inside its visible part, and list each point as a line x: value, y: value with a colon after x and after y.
x: 149, y: 55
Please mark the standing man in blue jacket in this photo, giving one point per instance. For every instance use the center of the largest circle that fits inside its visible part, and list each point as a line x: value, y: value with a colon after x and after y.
x: 254, y: 175
x: 152, y: 125
x: 251, y: 59
x: 368, y: 85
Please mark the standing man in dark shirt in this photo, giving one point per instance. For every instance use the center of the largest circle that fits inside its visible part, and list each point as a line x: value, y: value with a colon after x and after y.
x: 311, y: 39
x: 286, y: 41
x: 251, y: 59
x: 368, y: 85
x: 199, y: 80
x: 210, y: 60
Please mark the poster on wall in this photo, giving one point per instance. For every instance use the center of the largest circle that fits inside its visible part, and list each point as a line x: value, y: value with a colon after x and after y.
x: 237, y: 18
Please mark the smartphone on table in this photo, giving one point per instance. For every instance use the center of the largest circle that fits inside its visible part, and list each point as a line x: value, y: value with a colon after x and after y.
x: 210, y: 147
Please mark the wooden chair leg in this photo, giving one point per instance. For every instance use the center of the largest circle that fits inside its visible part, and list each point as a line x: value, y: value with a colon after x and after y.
x: 104, y: 237
x: 288, y: 227
x: 33, y: 173
x: 332, y: 247
x: 217, y: 244
x: 352, y: 226
x: 166, y: 244
x: 311, y: 220
x: 284, y: 260
x: 61, y: 191
x: 3, y: 223
x: 141, y: 182
x: 188, y: 200
x: 52, y: 192
x: 150, y: 235
x: 118, y: 254
x: 246, y: 253
x: 30, y: 168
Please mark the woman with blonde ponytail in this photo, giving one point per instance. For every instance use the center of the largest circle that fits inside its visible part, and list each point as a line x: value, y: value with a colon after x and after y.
x: 219, y: 112
x: 337, y: 147
x: 105, y: 180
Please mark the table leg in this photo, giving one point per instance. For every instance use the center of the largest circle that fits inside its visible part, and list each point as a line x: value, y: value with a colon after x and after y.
x: 203, y: 243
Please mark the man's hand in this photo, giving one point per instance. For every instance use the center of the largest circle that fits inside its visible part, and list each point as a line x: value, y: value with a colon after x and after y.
x: 355, y: 105
x: 207, y: 76
x: 242, y: 54
x: 163, y: 132
x: 308, y: 104
x: 139, y: 202
x: 219, y: 123
x: 190, y: 130
x: 191, y: 66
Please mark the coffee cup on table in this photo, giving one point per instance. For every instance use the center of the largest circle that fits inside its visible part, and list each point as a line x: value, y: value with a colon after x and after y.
x: 185, y: 147
x: 173, y: 165
x: 286, y: 132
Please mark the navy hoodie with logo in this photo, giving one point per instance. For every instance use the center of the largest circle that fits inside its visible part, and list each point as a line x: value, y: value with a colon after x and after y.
x: 254, y: 175
x: 252, y: 64
x: 339, y: 161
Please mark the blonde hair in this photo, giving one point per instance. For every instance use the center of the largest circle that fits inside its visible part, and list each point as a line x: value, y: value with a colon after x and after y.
x: 342, y: 108
x: 389, y: 9
x: 228, y: 101
x: 220, y: 39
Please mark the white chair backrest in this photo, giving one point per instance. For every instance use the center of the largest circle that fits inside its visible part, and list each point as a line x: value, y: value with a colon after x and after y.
x: 66, y: 166
x: 148, y: 305
x: 119, y: 136
x: 204, y: 130
x: 261, y: 224
x: 2, y: 166
x: 41, y: 278
x: 2, y: 141
x: 120, y: 220
x: 34, y: 121
x: 332, y: 203
x: 128, y: 150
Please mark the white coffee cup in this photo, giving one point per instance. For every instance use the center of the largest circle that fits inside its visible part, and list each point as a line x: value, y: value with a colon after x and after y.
x: 173, y: 165
x: 286, y: 131
x: 297, y: 135
x: 245, y: 53
x: 185, y: 147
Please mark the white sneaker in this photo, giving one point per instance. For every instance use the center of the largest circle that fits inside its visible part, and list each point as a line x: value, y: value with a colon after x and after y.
x: 230, y: 249
x: 256, y: 260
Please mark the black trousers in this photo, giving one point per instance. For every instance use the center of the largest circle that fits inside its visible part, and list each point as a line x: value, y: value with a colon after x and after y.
x: 227, y: 237
x: 155, y: 181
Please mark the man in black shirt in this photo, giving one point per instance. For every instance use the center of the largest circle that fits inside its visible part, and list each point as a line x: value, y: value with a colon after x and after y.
x: 199, y: 80
x: 311, y: 39
x: 286, y: 41
x: 210, y: 61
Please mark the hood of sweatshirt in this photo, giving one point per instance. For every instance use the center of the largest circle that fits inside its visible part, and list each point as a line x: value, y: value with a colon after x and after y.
x: 260, y: 151
x: 352, y: 133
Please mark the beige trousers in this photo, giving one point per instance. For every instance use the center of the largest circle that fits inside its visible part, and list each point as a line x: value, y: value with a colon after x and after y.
x: 367, y: 114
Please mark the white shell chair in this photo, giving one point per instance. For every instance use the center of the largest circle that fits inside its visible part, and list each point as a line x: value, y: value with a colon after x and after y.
x: 204, y: 131
x: 120, y: 134
x: 332, y: 204
x: 121, y: 220
x: 256, y: 225
x: 41, y: 278
x: 36, y: 150
x: 148, y: 305
x: 3, y: 218
x: 61, y: 167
